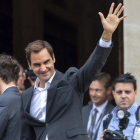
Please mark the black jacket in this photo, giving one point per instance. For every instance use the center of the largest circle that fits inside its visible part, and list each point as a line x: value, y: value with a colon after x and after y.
x: 64, y: 102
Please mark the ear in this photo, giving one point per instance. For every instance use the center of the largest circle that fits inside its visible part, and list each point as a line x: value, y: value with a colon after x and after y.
x: 29, y: 64
x: 113, y: 92
x: 109, y: 90
x: 136, y: 92
x: 53, y: 58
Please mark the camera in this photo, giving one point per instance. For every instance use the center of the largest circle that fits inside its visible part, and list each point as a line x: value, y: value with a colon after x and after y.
x: 114, y: 135
x: 29, y: 73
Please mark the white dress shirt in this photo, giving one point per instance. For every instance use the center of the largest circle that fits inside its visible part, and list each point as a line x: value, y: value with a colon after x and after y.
x: 104, y: 44
x: 101, y: 110
x: 39, y: 100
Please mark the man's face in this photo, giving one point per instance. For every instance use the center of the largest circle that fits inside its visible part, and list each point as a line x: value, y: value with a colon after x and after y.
x: 42, y: 65
x: 124, y: 95
x: 98, y: 93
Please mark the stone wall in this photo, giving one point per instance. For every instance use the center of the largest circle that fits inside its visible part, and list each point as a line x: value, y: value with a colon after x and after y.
x: 132, y: 41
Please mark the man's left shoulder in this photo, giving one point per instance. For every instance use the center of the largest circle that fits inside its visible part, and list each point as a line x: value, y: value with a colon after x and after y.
x: 71, y: 72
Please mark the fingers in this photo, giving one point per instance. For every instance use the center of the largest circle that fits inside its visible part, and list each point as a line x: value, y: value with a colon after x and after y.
x: 122, y: 17
x: 103, y: 134
x: 120, y: 11
x: 101, y: 16
x: 111, y: 8
x: 31, y: 81
x: 104, y: 131
x: 117, y: 9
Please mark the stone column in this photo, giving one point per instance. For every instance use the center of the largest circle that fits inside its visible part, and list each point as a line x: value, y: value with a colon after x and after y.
x: 132, y: 41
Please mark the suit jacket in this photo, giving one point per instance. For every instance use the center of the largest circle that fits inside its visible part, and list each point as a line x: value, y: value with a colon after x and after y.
x: 10, y: 125
x: 64, y: 102
x: 86, y: 113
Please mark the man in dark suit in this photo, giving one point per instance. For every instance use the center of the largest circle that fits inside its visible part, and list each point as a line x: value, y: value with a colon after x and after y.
x: 51, y: 109
x: 99, y: 90
x: 10, y: 99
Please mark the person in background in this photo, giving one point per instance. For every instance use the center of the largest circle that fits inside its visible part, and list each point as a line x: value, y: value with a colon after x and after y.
x: 99, y: 90
x: 125, y: 115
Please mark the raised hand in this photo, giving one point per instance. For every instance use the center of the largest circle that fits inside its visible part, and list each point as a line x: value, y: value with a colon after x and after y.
x: 112, y: 21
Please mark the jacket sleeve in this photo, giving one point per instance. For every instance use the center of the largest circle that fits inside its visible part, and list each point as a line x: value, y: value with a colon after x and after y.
x: 27, y: 132
x: 3, y: 118
x: 90, y: 70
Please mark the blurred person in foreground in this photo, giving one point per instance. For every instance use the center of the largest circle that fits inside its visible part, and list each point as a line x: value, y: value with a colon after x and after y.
x: 10, y: 99
x: 99, y: 90
x: 122, y: 121
x: 52, y: 108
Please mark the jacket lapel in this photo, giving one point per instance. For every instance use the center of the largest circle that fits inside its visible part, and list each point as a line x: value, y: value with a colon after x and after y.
x: 28, y: 103
x: 52, y: 91
x: 31, y: 119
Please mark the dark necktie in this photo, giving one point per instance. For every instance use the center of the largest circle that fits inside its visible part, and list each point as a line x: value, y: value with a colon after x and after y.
x: 90, y: 133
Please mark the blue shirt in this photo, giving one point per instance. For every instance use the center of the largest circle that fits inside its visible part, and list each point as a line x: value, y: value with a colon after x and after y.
x: 114, y: 123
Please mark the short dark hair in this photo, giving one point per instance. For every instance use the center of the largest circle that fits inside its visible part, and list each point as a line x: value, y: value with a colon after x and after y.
x: 36, y: 47
x: 125, y: 78
x: 105, y: 78
x: 9, y: 68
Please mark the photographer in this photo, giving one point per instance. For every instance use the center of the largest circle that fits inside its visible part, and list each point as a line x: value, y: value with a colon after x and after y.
x: 123, y: 120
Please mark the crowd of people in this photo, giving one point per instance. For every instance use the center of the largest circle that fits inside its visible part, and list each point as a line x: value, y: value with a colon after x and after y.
x: 52, y: 108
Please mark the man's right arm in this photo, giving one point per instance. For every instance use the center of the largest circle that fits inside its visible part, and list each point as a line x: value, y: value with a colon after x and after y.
x: 96, y: 61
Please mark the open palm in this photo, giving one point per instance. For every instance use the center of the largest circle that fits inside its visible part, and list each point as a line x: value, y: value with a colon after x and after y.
x: 112, y: 21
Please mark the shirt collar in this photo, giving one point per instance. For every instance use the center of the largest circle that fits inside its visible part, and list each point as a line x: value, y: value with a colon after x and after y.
x: 131, y: 110
x: 47, y: 84
x: 101, y: 107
